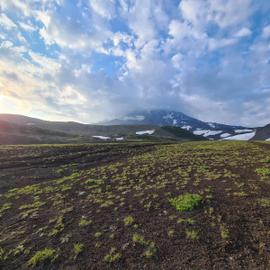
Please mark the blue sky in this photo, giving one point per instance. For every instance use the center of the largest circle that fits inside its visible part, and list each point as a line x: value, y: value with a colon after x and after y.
x: 90, y: 60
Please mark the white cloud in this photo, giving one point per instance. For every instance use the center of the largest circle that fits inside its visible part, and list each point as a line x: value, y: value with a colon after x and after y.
x: 6, y: 22
x: 194, y: 11
x: 21, y: 38
x: 49, y: 65
x: 243, y: 32
x: 230, y: 12
x: 70, y: 96
x: 22, y: 6
x: 220, y: 43
x: 144, y: 21
x: 68, y: 32
x: 177, y: 60
x: 44, y: 17
x: 119, y: 38
x: 27, y: 27
x: 6, y: 44
x: 223, y: 13
x: 266, y: 32
x: 104, y: 8
x: 82, y: 70
x: 179, y: 30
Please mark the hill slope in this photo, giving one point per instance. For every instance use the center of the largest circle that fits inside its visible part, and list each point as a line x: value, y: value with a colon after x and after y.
x: 11, y: 133
x: 263, y: 133
x: 18, y: 129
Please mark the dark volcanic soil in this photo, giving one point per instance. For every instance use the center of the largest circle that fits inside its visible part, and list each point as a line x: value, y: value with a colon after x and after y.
x: 87, y: 203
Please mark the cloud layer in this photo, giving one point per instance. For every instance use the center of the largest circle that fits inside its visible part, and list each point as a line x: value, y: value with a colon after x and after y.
x: 90, y: 60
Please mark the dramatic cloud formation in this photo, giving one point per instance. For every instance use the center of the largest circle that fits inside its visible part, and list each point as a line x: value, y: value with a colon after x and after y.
x: 90, y: 60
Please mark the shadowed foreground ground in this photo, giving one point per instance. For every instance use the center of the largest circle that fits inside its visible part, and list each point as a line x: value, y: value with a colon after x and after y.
x: 108, y: 206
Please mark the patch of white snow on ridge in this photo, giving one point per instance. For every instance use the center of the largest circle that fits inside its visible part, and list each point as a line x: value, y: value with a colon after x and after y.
x: 143, y: 132
x: 212, y: 125
x: 200, y: 132
x: 242, y: 137
x: 187, y: 127
x: 174, y: 122
x: 207, y: 133
x: 213, y: 132
x: 268, y: 140
x: 243, y: 130
x: 224, y: 135
x: 119, y: 139
x: 102, y: 137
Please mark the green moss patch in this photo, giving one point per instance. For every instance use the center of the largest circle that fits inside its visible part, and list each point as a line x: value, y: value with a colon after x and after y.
x: 186, y: 202
x: 43, y: 256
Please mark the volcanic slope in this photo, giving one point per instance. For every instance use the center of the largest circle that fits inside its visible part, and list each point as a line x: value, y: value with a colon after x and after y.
x: 200, y: 205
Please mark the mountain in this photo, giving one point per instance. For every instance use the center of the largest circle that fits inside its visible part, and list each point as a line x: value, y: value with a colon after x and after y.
x: 263, y: 133
x: 209, y: 130
x: 19, y: 129
x: 155, y: 125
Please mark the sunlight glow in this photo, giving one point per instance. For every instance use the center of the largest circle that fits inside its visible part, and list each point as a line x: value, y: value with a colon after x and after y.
x: 7, y: 105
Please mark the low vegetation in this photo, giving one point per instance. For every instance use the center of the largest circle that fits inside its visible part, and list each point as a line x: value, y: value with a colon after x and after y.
x: 129, y: 220
x: 46, y: 255
x: 192, y: 234
x: 193, y: 205
x: 78, y: 249
x: 186, y: 202
x: 112, y: 256
x: 263, y: 172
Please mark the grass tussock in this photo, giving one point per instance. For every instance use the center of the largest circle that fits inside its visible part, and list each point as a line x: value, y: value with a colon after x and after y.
x: 186, y: 202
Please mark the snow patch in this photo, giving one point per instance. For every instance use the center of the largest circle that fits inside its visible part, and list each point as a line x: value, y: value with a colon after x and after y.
x: 187, y: 127
x: 143, y: 132
x: 102, y: 137
x: 174, y: 122
x: 200, y: 132
x: 119, y: 139
x: 213, y: 132
x: 242, y: 137
x: 243, y: 130
x: 268, y: 140
x: 224, y: 135
x: 212, y: 125
x: 207, y: 133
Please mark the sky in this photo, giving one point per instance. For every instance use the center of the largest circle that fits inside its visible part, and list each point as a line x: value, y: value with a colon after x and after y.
x: 94, y: 60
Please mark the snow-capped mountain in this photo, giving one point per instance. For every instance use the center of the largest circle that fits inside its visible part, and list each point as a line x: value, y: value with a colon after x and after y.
x: 209, y: 130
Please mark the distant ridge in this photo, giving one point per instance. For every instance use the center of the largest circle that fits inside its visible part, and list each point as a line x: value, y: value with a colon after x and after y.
x: 19, y: 129
x: 210, y: 130
x: 132, y: 127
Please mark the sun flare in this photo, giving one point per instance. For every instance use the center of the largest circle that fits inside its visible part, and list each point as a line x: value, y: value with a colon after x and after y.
x: 7, y: 105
